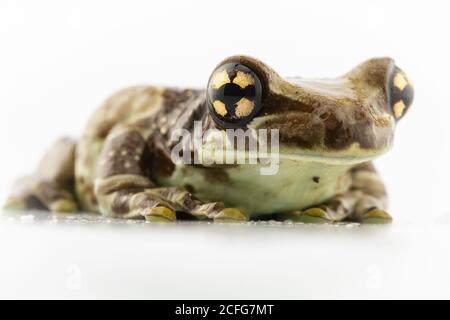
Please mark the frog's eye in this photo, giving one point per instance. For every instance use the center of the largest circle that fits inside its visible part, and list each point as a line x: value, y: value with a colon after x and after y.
x: 400, y: 93
x: 234, y: 95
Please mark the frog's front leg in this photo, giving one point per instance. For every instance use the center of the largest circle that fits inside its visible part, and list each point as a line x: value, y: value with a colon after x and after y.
x: 365, y: 201
x: 124, y: 189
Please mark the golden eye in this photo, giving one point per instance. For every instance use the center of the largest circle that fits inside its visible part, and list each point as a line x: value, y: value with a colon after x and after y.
x: 234, y: 95
x: 400, y: 92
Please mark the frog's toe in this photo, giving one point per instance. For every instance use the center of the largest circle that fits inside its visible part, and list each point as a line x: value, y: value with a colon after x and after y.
x: 63, y: 206
x: 231, y: 215
x: 14, y: 204
x: 376, y: 216
x: 160, y: 214
x: 314, y: 215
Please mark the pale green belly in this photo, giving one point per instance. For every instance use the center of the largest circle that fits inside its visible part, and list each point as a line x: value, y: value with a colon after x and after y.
x: 297, y: 185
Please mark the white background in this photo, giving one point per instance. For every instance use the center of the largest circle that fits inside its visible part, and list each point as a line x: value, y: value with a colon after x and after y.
x: 60, y: 59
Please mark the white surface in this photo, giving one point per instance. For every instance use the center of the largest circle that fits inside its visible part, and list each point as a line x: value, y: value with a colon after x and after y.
x: 107, y: 259
x: 59, y: 60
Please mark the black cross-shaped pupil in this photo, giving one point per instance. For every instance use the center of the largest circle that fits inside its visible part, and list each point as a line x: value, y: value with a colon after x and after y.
x: 231, y: 93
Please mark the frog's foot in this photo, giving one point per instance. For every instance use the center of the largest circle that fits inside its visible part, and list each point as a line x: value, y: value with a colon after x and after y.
x: 14, y: 203
x: 233, y: 215
x: 156, y: 204
x: 370, y: 199
x: 162, y: 205
x: 376, y: 216
x: 32, y: 194
x: 123, y: 187
x: 159, y: 214
x: 353, y: 206
x: 365, y: 202
x: 346, y: 207
x: 314, y: 215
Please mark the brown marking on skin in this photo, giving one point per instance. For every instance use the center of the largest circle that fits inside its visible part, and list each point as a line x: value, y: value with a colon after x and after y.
x: 339, y: 130
x: 366, y: 179
x: 337, y: 135
x: 332, y: 128
x: 195, y: 110
x: 107, y: 186
x: 33, y: 203
x: 124, y: 200
x: 173, y: 97
x: 180, y: 109
x: 298, y: 129
x: 124, y: 162
x: 93, y: 199
x: 50, y: 191
x: 185, y: 201
x: 149, y: 203
x: 120, y: 202
x: 216, y: 175
x: 159, y: 161
x: 366, y: 166
x: 316, y: 179
x: 276, y: 104
x: 183, y: 197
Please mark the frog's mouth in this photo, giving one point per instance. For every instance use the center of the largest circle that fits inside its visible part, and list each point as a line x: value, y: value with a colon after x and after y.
x: 219, y: 147
x: 327, y: 159
x: 351, y: 156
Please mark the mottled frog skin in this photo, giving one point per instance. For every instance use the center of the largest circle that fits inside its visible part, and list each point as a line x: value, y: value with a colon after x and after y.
x: 329, y: 131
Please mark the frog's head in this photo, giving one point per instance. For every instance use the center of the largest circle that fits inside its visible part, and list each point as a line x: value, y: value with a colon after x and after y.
x: 351, y: 118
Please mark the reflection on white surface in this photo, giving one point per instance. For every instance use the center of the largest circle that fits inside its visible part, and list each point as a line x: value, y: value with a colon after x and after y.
x: 47, y: 256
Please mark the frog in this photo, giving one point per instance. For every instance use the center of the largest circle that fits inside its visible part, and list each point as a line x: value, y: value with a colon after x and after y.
x: 329, y: 131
